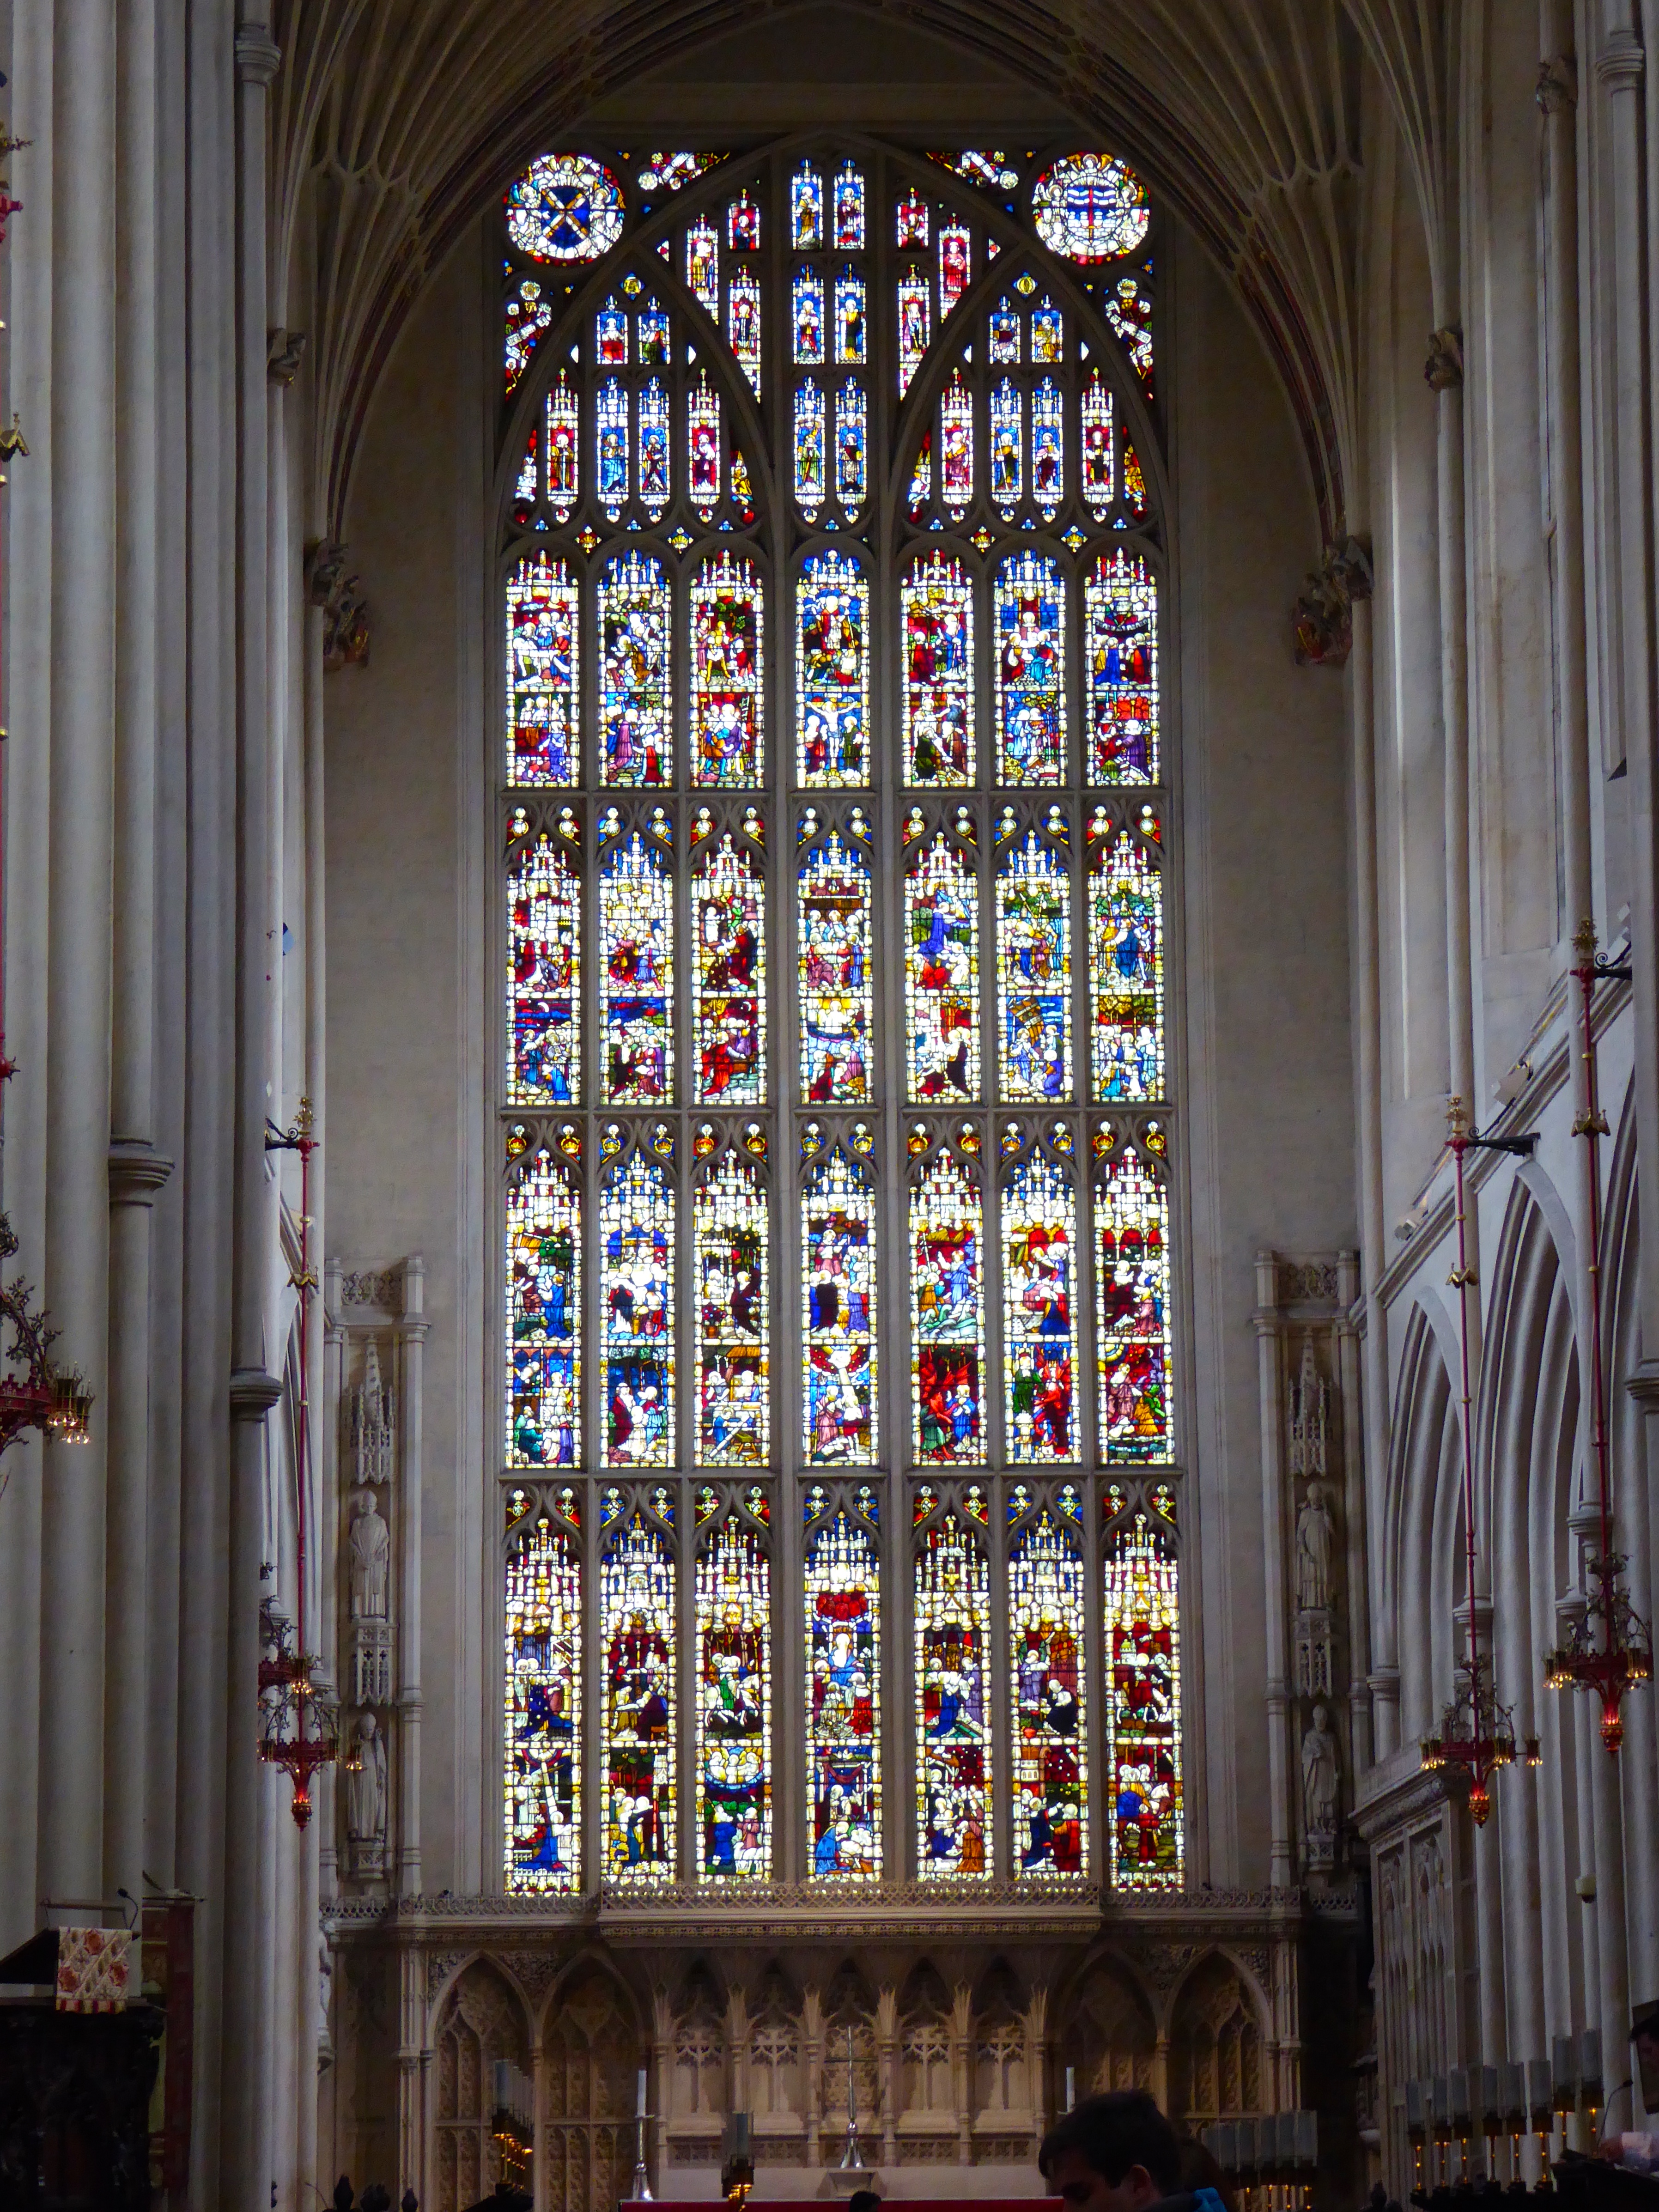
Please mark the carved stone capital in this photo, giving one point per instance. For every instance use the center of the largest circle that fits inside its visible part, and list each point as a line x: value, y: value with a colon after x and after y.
x: 1619, y: 65
x: 1443, y: 369
x: 252, y: 1392
x: 1644, y: 1387
x: 136, y: 1172
x: 258, y: 56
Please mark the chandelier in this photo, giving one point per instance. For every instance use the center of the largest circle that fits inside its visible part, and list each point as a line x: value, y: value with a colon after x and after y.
x: 33, y: 1393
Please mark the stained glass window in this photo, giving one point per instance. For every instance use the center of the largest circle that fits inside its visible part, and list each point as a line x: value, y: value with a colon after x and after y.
x: 702, y: 264
x: 806, y: 210
x: 986, y: 166
x: 838, y: 1315
x: 1007, y: 446
x: 843, y: 1700
x: 1039, y: 1331
x: 1089, y: 207
x: 731, y: 1236
x: 1050, y: 1766
x: 955, y: 264
x: 951, y: 1602
x: 734, y: 1704
x: 910, y: 222
x: 1048, y: 448
x: 543, y: 1711
x: 947, y: 1316
x: 667, y: 172
x: 1120, y: 605
x: 544, y: 907
x: 544, y: 1313
x: 639, y: 1636
x: 1129, y: 311
x: 1030, y: 670
x: 849, y: 209
x: 543, y: 673
x: 728, y: 978
x: 1099, y: 468
x: 1034, y: 973
x: 636, y: 982
x: 653, y: 448
x: 956, y: 448
x: 1132, y: 1313
x: 565, y: 208
x: 1125, y: 960
x: 529, y: 312
x: 937, y: 607
x: 635, y: 725
x: 941, y: 973
x: 849, y: 317
x: 832, y: 670
x: 702, y: 437
x: 563, y: 448
x: 808, y: 318
x: 611, y: 447
x: 837, y: 995
x: 914, y: 323
x: 809, y: 448
x: 851, y: 456
x: 729, y: 692
x: 1143, y: 1711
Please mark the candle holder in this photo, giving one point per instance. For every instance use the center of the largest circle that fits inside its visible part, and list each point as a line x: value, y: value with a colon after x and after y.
x: 640, y: 2190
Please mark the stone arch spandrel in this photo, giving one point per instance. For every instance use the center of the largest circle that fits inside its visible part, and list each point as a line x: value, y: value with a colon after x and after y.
x: 482, y: 2019
x: 1218, y: 2043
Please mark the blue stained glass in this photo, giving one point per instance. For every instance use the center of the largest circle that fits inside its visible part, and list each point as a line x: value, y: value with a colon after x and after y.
x: 809, y: 448
x: 1047, y: 458
x: 742, y: 323
x: 1005, y: 331
x: 637, y: 977
x: 832, y: 672
x: 850, y: 452
x: 806, y: 299
x: 638, y: 1628
x: 952, y: 1600
x: 1007, y: 442
x: 653, y: 448
x: 610, y: 335
x: 1045, y: 1613
x: 564, y: 207
x: 843, y: 1705
x: 544, y: 1331
x: 1039, y: 1356
x: 838, y: 1296
x: 849, y: 209
x: 610, y: 432
x: 1090, y: 208
x: 806, y: 210
x: 636, y: 716
x: 1034, y: 973
x: 637, y: 1283
x: 849, y: 317
x: 1030, y: 671
x: 734, y: 1704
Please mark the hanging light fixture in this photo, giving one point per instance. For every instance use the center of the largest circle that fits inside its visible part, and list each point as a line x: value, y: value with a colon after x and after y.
x: 1476, y: 1734
x: 1610, y: 1648
x: 33, y: 1393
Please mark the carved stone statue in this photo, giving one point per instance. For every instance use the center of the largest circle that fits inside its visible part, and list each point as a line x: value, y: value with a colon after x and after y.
x: 325, y: 1984
x: 370, y: 1544
x: 1315, y: 1534
x: 366, y: 1795
x: 1321, y: 1762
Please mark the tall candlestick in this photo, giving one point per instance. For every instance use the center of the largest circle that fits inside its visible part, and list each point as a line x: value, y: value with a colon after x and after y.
x: 639, y: 2095
x: 1070, y: 2086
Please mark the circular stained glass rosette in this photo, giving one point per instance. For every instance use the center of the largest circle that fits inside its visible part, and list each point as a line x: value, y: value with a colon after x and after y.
x: 565, y: 208
x: 1090, y: 208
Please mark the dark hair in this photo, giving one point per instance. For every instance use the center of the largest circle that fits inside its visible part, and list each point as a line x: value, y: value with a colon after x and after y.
x: 1113, y: 2132
x: 863, y: 2200
x: 1201, y: 2169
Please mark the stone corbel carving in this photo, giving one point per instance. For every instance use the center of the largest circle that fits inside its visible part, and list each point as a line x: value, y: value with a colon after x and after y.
x: 1323, y: 615
x: 345, y: 610
x: 282, y: 357
x: 1443, y: 369
x: 1557, y: 84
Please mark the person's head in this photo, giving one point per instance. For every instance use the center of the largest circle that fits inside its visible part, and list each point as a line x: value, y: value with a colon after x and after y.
x: 1111, y: 2153
x: 863, y: 2200
x: 1201, y: 2169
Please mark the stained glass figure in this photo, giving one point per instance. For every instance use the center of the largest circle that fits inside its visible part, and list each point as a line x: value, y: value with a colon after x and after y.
x: 806, y: 306
x: 941, y: 975
x: 727, y: 671
x: 543, y: 673
x: 1128, y: 306
x: 1050, y: 1765
x: 921, y: 478
x: 1034, y: 974
x: 838, y: 1316
x: 910, y: 220
x: 653, y: 333
x: 654, y: 479
x: 1120, y: 645
x: 703, y: 446
x: 1135, y: 483
x: 1030, y: 670
x: 849, y: 210
x: 954, y: 264
x: 544, y: 907
x: 1039, y: 1330
x: 544, y: 1714
x: 832, y: 670
x: 947, y: 1317
x: 563, y: 447
x: 702, y: 265
x: 843, y: 1705
x: 837, y: 1001
x: 636, y: 1285
x: 528, y: 315
x: 734, y: 1704
x: 638, y: 1632
x: 544, y: 1316
x: 849, y: 317
x: 1007, y: 446
x: 668, y: 173
x: 1131, y: 1314
x: 955, y: 1837
x: 636, y: 978
x: 915, y: 312
x: 937, y: 607
x: 610, y: 334
x: 743, y: 225
x: 1047, y: 334
x: 733, y: 1381
x: 524, y: 488
x: 728, y: 978
x: 635, y: 712
x: 1048, y: 453
x: 1090, y: 208
x: 806, y: 210
x: 1143, y: 1711
x: 611, y: 440
x: 808, y: 447
x: 564, y: 207
x: 1099, y: 475
x: 1125, y: 967
x: 986, y: 166
x: 851, y: 447
x: 956, y: 447
x: 742, y: 323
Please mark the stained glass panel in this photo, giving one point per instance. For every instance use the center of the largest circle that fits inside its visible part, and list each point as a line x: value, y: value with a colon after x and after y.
x: 843, y: 1708
x: 544, y: 1714
x: 636, y: 1285
x: 1030, y: 670
x: 938, y: 608
x: 1143, y: 1711
x: 851, y: 460
x: 654, y: 473
x: 986, y: 166
x: 544, y: 1316
x: 849, y: 209
x: 832, y: 670
x: 638, y: 1632
x: 734, y: 1704
x: 1034, y: 973
x: 1046, y: 1609
x: 636, y: 979
x: 610, y: 334
x: 806, y: 296
x: 545, y: 909
x: 1120, y: 612
x: 1007, y: 446
x: 1005, y: 331
x: 838, y: 1298
x: 947, y: 1317
x: 809, y: 448
x: 956, y: 448
x: 529, y: 312
x: 610, y: 443
x: 941, y: 975
x: 703, y: 446
x: 742, y: 323
x: 952, y: 1608
x: 635, y: 713
x: 1125, y: 966
x: 1129, y: 311
x: 914, y: 316
x: 1047, y: 333
x: 1089, y: 207
x: 921, y: 478
x: 1048, y: 448
x: 1039, y: 1332
x: 1131, y: 1314
x: 563, y: 444
x: 837, y: 997
x: 806, y: 210
x: 955, y: 261
x: 728, y: 978
x: 729, y: 1228
x: 727, y: 671
x: 667, y: 172
x: 849, y: 317
x: 543, y: 673
x: 564, y: 207
x: 910, y: 220
x: 702, y: 265
x: 1099, y: 473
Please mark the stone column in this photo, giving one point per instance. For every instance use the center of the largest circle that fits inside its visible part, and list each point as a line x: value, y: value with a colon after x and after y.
x: 1270, y: 1381
x: 1355, y: 1444
x: 411, y: 1338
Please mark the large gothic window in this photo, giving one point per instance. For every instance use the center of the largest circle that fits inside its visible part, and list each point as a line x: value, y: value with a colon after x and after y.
x: 840, y: 1490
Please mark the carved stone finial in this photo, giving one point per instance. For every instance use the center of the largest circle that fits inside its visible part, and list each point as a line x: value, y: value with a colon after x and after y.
x: 1443, y: 369
x: 1557, y: 84
x: 1323, y: 615
x: 1583, y: 940
x: 282, y: 357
